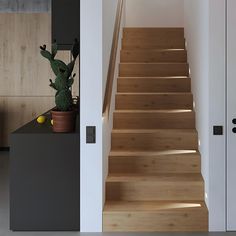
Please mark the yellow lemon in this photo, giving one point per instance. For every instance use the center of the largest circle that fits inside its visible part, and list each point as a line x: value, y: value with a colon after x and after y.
x: 52, y: 122
x: 41, y: 119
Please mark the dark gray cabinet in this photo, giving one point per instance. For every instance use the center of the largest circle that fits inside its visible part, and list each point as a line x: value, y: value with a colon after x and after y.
x: 44, y: 179
x: 65, y: 22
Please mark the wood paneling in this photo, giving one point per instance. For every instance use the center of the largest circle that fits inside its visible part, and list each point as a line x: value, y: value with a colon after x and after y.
x: 142, y: 85
x: 172, y: 161
x: 24, y: 72
x: 153, y: 32
x: 154, y: 140
x: 153, y: 43
x: 165, y: 187
x: 153, y: 55
x: 155, y: 216
x: 153, y: 69
x: 151, y: 101
x: 154, y: 119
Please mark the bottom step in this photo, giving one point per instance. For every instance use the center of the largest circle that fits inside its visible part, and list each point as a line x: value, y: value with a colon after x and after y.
x: 155, y: 216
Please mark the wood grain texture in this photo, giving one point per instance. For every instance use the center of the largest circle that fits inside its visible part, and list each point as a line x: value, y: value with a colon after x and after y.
x: 153, y: 55
x: 159, y: 187
x: 130, y: 32
x: 153, y: 69
x: 24, y: 72
x: 154, y: 140
x: 172, y: 161
x: 151, y: 101
x: 153, y: 43
x: 154, y: 119
x: 154, y: 182
x: 154, y: 216
x: 17, y: 111
x: 144, y: 85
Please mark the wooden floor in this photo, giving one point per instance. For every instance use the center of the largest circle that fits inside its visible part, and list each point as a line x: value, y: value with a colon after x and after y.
x: 154, y: 182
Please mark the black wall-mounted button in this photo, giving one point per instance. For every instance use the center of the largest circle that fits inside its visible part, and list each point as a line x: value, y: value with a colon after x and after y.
x: 90, y: 134
x: 234, y: 130
x: 218, y: 130
x: 234, y: 121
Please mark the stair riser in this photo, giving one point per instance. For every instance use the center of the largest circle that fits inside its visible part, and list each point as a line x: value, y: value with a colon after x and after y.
x: 172, y: 221
x: 154, y: 101
x: 153, y: 43
x: 154, y: 141
x: 153, y: 56
x: 187, y: 163
x: 154, y: 191
x: 154, y: 120
x: 153, y: 85
x: 153, y: 33
x: 153, y: 69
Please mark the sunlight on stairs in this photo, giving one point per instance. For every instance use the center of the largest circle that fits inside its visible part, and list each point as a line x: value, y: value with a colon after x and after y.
x: 154, y: 181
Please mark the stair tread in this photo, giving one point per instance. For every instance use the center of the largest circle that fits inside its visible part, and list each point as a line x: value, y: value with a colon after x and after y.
x: 153, y: 77
x: 163, y: 177
x: 155, y: 93
x: 153, y: 153
x: 152, y: 130
x: 152, y: 206
x: 155, y: 111
x: 154, y: 63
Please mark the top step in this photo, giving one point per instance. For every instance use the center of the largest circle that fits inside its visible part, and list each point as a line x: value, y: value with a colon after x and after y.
x: 153, y: 32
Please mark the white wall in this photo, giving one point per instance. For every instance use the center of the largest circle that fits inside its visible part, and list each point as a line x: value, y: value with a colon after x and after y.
x: 197, y: 37
x: 108, y: 119
x: 217, y: 114
x: 108, y: 22
x: 154, y: 13
x: 205, y: 35
x: 91, y: 115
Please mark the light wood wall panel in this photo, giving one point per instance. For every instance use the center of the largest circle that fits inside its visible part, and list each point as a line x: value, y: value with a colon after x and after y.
x: 24, y: 73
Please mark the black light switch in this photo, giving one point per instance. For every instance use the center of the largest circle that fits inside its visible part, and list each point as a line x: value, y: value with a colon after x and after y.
x: 90, y: 134
x: 218, y: 130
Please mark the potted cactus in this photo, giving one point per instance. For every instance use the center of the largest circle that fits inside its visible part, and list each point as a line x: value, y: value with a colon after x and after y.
x: 63, y: 115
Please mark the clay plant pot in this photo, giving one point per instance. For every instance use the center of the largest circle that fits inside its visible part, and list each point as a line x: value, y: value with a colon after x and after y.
x: 63, y: 121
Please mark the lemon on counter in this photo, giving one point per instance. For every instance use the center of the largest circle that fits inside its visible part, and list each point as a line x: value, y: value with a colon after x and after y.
x: 41, y: 119
x: 51, y: 122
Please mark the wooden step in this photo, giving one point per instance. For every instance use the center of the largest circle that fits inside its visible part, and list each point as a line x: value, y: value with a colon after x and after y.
x: 153, y: 43
x: 153, y: 69
x: 153, y: 84
x: 170, y: 161
x: 153, y: 56
x: 154, y: 140
x: 152, y: 101
x: 137, y: 187
x: 153, y: 32
x: 154, y: 216
x: 154, y: 119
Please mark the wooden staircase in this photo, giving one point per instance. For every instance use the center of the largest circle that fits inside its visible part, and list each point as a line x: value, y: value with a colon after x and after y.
x: 154, y: 181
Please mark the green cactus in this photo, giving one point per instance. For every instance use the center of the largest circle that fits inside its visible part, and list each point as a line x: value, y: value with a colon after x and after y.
x: 64, y: 79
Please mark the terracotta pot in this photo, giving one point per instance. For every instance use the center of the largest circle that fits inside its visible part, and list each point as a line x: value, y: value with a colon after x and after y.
x: 63, y: 121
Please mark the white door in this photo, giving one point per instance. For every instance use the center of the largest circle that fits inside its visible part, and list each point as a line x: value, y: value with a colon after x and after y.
x: 231, y: 113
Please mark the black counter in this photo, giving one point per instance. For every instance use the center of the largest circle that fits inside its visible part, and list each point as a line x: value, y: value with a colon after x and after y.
x: 44, y: 178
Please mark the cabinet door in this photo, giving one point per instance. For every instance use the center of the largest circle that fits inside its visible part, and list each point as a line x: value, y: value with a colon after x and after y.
x: 65, y: 22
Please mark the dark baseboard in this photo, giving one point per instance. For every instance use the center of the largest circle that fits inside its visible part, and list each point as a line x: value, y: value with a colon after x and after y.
x: 4, y: 149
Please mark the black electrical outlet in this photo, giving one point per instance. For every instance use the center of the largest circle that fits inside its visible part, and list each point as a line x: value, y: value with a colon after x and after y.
x: 90, y: 134
x: 218, y: 130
